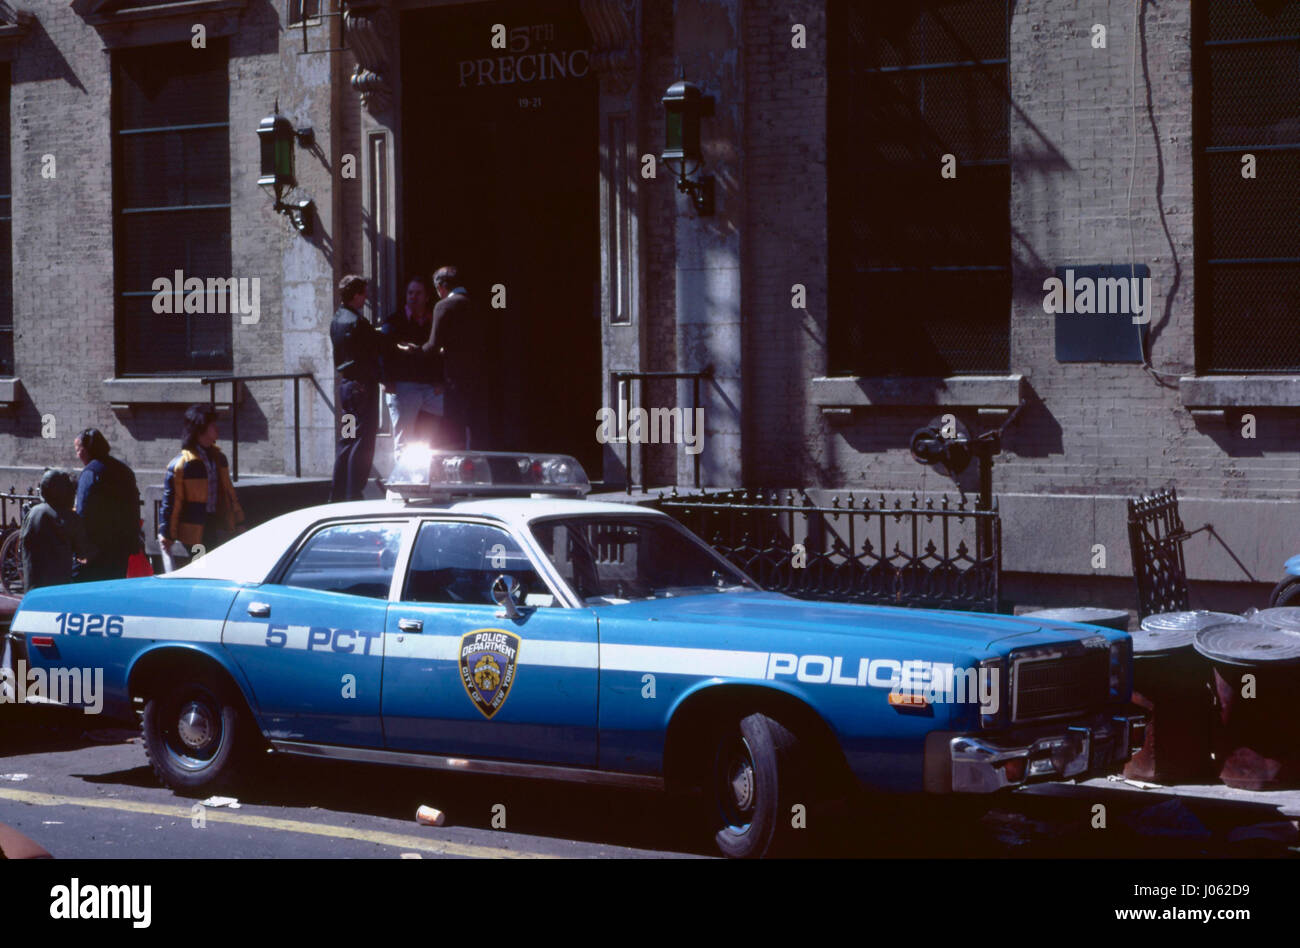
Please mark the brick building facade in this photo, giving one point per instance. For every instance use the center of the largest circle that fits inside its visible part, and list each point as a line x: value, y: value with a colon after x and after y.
x: 1070, y: 146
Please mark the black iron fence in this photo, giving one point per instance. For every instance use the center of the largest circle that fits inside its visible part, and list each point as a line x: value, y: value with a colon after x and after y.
x: 11, y: 507
x: 1155, y: 537
x: 934, y: 553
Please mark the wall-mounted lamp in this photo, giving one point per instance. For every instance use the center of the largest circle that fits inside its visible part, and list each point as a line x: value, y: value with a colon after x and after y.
x: 685, y: 105
x: 277, y: 137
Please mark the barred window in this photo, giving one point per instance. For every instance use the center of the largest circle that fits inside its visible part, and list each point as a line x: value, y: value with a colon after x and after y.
x: 6, y: 235
x: 300, y: 10
x: 1247, y: 102
x: 920, y: 278
x: 171, y: 166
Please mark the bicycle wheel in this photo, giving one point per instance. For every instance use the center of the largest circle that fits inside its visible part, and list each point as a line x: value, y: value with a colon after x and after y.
x: 11, y: 565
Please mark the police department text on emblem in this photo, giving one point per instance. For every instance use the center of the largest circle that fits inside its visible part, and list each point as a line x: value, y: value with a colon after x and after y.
x: 488, y: 659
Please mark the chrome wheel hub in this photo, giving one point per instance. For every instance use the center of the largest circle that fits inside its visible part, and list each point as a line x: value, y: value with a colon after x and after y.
x: 742, y: 783
x: 196, y: 725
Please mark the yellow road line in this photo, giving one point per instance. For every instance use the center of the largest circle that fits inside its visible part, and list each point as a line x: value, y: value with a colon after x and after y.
x: 221, y: 815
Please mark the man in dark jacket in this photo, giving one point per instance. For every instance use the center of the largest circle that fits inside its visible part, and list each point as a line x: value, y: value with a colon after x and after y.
x: 357, y: 349
x: 457, y: 338
x: 53, y: 536
x: 108, y: 501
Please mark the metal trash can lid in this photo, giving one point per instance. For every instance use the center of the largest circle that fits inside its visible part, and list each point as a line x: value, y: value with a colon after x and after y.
x: 1284, y: 617
x: 1169, y: 631
x: 1248, y: 643
x: 1092, y: 615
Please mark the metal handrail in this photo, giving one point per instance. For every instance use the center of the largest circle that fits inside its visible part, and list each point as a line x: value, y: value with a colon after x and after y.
x: 234, y: 380
x: 627, y: 375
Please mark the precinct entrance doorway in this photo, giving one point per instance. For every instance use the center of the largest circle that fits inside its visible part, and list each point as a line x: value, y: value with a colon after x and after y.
x: 500, y: 175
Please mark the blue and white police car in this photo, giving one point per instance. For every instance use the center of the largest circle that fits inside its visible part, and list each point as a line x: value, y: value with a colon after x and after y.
x: 457, y: 627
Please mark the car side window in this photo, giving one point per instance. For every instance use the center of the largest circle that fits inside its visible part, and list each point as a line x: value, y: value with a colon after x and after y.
x: 458, y: 562
x: 352, y: 558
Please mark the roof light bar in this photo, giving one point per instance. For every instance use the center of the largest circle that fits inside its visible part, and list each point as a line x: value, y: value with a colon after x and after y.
x: 421, y: 472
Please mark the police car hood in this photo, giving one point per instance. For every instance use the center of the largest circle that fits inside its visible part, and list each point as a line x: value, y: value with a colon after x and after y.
x: 770, y: 611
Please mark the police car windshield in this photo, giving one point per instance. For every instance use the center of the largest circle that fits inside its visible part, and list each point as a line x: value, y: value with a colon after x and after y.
x: 609, y: 559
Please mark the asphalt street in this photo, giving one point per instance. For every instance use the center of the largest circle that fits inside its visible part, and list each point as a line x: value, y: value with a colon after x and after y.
x: 88, y: 793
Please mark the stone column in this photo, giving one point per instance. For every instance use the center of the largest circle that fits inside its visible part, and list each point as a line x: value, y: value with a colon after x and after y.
x: 615, y: 29
x: 370, y: 32
x: 708, y: 45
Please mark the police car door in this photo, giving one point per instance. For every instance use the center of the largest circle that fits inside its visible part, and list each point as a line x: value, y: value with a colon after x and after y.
x: 311, y: 643
x: 462, y: 679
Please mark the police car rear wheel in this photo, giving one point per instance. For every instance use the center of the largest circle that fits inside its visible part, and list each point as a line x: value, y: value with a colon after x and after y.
x: 194, y: 735
x: 754, y: 787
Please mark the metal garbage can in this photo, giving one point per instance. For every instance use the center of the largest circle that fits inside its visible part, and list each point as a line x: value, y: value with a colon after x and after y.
x: 1256, y: 735
x: 1110, y: 618
x: 1286, y: 618
x: 1171, y: 681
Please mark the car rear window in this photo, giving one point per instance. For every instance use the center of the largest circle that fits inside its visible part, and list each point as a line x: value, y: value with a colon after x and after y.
x: 352, y: 558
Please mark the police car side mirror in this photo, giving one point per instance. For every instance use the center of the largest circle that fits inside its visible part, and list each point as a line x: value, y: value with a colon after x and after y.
x: 505, y: 591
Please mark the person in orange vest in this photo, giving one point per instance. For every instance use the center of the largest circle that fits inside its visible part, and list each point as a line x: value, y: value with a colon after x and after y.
x: 199, y: 507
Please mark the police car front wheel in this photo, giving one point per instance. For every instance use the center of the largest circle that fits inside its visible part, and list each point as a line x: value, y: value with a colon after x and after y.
x: 755, y: 789
x: 195, y: 735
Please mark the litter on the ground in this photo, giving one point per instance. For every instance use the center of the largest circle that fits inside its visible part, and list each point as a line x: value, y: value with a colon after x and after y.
x: 230, y: 802
x: 14, y: 777
x: 1142, y: 784
x: 430, y: 817
x: 411, y: 856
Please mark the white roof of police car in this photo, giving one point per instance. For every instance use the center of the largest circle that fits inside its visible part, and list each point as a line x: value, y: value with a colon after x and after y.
x: 251, y: 556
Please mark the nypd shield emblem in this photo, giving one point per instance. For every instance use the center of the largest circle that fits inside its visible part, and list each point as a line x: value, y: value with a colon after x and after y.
x: 488, y: 659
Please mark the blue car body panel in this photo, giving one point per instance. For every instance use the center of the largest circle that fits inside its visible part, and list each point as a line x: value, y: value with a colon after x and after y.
x: 1293, y: 566
x: 155, y: 615
x: 549, y: 715
x: 314, y: 664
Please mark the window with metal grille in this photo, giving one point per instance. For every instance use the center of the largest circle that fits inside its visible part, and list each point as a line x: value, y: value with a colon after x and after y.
x: 300, y: 10
x: 6, y: 235
x: 1247, y: 101
x: 171, y: 167
x: 920, y: 278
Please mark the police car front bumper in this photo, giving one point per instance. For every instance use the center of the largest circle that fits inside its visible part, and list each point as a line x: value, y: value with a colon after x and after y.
x: 986, y: 763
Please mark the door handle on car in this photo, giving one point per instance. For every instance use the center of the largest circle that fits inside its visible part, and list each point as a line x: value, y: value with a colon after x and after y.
x: 411, y: 625
x: 259, y: 609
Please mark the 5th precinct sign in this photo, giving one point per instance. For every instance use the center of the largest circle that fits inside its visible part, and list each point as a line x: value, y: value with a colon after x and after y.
x: 523, y: 63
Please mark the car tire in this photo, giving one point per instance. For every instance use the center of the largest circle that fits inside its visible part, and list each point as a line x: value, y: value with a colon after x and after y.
x: 1286, y: 593
x: 755, y: 785
x: 197, y: 735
